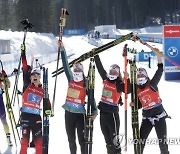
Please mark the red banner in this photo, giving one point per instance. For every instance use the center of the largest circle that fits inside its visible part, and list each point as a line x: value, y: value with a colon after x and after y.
x: 171, y: 31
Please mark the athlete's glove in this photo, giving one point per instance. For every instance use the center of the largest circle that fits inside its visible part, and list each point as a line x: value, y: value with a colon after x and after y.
x: 48, y: 112
x: 18, y: 92
x: 3, y: 74
x: 120, y: 102
x: 5, y: 78
x: 23, y: 47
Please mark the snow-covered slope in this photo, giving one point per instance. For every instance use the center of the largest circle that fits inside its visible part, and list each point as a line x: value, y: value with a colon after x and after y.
x: 41, y: 46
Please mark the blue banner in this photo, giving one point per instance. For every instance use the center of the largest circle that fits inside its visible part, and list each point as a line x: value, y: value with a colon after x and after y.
x: 144, y: 56
x: 172, y: 51
x: 74, y: 31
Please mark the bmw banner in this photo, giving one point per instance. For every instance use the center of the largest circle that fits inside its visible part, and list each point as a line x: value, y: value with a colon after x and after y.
x: 171, y: 34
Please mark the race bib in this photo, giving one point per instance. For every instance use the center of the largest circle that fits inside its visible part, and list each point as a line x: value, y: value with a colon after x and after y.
x: 107, y: 93
x: 73, y: 93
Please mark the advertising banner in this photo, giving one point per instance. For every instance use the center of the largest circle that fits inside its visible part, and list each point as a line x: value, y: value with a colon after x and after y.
x: 171, y: 44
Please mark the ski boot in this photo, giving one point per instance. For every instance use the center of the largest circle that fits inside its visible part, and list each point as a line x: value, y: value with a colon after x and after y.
x: 110, y: 149
x: 9, y: 139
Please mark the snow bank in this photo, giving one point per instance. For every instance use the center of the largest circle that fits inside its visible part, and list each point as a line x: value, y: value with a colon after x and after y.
x: 112, y: 32
x: 41, y: 46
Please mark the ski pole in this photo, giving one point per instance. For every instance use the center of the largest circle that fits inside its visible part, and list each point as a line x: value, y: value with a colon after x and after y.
x: 62, y: 25
x: 37, y: 63
x: 89, y: 112
x: 161, y: 54
x: 125, y: 92
x: 15, y: 90
x: 27, y: 25
x: 45, y: 116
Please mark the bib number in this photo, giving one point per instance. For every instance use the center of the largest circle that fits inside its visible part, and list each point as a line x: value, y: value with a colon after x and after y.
x: 33, y: 98
x: 146, y: 99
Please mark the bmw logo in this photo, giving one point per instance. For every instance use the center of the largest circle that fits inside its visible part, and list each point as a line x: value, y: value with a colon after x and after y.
x: 172, y: 52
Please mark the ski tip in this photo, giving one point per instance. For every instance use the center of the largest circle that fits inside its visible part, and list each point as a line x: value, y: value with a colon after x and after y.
x: 64, y: 11
x: 67, y: 13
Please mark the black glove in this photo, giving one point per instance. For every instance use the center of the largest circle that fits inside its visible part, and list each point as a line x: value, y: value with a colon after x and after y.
x: 19, y: 92
x: 120, y: 101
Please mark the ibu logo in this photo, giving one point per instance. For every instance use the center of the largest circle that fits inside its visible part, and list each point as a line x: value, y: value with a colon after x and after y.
x: 119, y: 141
x: 172, y: 52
